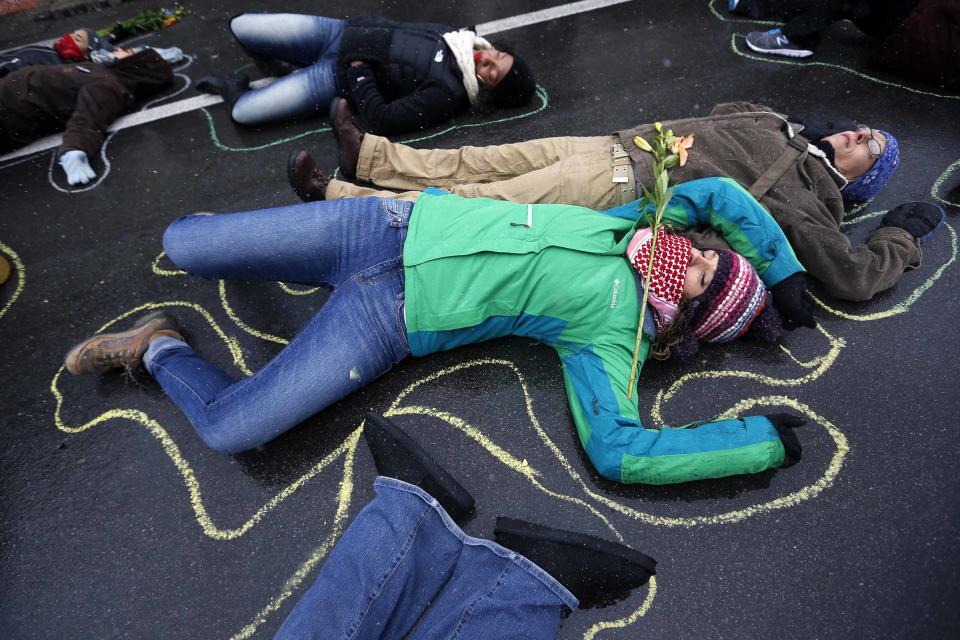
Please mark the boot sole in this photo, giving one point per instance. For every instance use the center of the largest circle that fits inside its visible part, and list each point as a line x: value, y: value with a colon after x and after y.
x: 71, y: 359
x: 529, y: 530
x: 460, y: 498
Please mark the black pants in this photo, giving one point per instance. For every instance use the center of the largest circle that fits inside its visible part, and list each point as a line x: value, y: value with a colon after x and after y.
x: 805, y: 19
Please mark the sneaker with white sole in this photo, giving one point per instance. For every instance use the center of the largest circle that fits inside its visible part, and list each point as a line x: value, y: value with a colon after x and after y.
x: 775, y: 43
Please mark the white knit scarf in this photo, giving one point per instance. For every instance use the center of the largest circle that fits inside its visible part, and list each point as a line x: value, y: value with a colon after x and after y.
x: 463, y: 43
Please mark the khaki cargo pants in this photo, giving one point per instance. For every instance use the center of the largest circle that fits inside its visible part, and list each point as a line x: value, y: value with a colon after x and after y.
x: 567, y: 170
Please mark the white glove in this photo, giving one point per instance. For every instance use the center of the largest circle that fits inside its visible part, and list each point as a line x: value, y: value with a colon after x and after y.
x: 77, y: 167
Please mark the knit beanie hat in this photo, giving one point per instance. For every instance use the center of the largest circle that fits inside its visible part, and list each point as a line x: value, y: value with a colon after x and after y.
x: 733, y: 302
x: 867, y: 186
x: 67, y: 48
x: 517, y: 87
x: 671, y: 258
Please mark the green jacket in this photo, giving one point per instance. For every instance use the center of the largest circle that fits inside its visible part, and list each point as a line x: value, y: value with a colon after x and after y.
x: 478, y: 269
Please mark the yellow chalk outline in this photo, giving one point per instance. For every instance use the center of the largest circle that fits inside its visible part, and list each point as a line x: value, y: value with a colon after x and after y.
x: 822, y: 363
x: 904, y: 306
x: 622, y: 623
x: 294, y: 581
x: 298, y: 292
x: 21, y: 271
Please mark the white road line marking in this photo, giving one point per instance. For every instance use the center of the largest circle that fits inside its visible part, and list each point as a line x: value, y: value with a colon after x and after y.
x: 206, y: 100
x: 536, y: 17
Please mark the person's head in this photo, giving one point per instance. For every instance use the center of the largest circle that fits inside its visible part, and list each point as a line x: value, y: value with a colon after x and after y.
x: 144, y: 73
x: 77, y: 45
x: 701, y: 296
x: 507, y: 77
x: 867, y: 158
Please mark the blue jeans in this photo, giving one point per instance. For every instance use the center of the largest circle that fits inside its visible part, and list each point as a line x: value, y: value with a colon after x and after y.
x: 353, y: 246
x: 310, y: 41
x: 403, y: 566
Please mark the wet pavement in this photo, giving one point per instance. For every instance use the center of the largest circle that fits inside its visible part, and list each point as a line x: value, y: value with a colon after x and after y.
x: 117, y: 522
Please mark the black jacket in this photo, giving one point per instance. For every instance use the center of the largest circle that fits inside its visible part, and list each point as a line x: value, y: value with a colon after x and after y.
x: 409, y: 80
x: 79, y: 99
x: 27, y: 57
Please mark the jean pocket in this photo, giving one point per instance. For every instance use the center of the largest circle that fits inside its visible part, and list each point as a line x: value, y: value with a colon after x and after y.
x: 397, y: 211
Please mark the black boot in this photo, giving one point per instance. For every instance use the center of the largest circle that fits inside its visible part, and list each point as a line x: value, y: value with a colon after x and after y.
x: 308, y: 182
x: 230, y: 87
x: 396, y: 455
x: 598, y: 572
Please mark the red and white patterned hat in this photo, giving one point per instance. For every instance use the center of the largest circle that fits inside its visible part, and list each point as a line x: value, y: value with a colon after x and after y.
x: 671, y: 259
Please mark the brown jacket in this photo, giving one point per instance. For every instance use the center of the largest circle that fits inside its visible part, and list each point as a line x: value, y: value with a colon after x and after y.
x: 742, y: 140
x: 79, y: 99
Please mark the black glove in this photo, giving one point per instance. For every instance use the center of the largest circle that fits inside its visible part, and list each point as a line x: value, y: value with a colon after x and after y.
x: 785, y: 423
x: 794, y: 308
x: 919, y: 219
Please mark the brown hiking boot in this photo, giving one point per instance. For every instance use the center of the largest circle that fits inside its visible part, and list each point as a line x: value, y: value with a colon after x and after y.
x: 349, y: 137
x: 4, y: 270
x: 124, y: 349
x: 308, y: 182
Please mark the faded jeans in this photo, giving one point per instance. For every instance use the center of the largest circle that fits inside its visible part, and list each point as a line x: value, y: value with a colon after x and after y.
x: 354, y: 247
x: 404, y: 569
x: 312, y: 42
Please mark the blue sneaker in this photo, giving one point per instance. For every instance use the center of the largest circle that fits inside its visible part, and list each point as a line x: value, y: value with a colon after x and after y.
x: 775, y: 43
x: 732, y: 4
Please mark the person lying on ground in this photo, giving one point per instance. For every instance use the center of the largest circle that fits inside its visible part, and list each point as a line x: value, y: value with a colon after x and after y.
x: 418, y: 278
x: 399, y: 76
x: 806, y: 184
x: 916, y: 39
x: 79, y: 45
x: 79, y: 99
x: 807, y: 19
x: 424, y: 573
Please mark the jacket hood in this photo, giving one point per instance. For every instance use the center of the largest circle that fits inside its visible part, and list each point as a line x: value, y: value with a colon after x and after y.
x: 143, y: 74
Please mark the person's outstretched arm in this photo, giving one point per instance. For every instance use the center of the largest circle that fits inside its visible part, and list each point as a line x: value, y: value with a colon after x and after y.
x: 623, y: 450
x: 98, y: 104
x: 727, y: 207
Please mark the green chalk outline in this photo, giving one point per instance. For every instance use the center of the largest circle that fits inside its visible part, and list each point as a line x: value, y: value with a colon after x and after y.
x: 815, y: 63
x: 541, y: 93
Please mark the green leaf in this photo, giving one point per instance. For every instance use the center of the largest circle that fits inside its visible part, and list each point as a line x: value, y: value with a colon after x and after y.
x: 671, y: 161
x: 662, y: 183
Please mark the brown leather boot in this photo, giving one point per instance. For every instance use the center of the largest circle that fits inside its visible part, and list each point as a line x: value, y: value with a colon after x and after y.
x: 349, y: 137
x: 308, y: 182
x: 124, y: 349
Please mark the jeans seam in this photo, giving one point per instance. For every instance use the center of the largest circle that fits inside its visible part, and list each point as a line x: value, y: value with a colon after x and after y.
x: 203, y: 414
x: 468, y: 612
x: 390, y: 573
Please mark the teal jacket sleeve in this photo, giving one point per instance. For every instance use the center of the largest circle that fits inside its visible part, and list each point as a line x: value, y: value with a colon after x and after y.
x: 623, y: 450
x: 726, y: 206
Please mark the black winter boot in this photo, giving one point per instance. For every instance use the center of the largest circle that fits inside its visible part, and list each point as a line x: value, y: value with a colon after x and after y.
x: 598, y: 572
x: 396, y: 455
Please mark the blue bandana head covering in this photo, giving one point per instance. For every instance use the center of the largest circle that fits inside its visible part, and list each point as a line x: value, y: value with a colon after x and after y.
x: 867, y: 186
